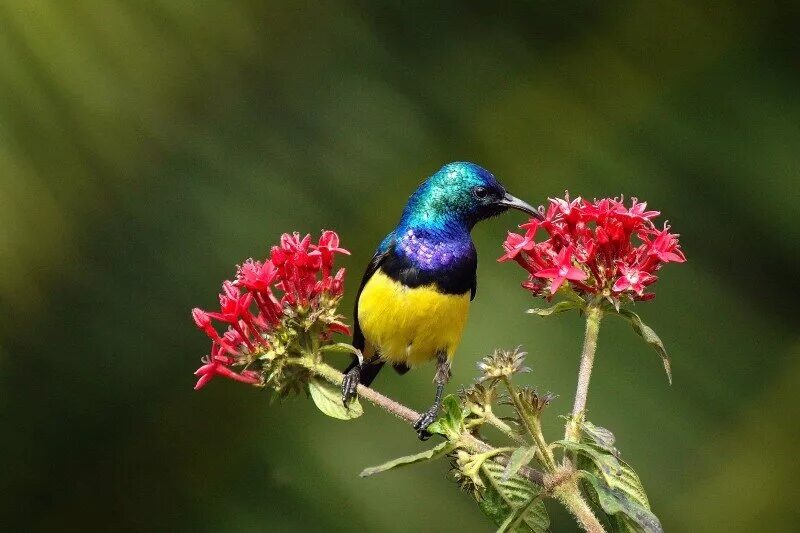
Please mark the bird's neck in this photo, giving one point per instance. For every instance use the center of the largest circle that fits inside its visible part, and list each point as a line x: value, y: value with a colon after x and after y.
x: 433, y: 247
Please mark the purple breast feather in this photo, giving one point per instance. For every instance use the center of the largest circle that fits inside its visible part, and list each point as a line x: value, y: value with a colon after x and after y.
x: 430, y: 254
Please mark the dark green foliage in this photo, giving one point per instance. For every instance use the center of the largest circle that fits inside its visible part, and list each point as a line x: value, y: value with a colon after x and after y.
x: 612, y: 486
x: 502, y: 500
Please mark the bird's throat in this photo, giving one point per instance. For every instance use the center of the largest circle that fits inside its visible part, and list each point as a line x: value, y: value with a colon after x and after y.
x: 435, y: 250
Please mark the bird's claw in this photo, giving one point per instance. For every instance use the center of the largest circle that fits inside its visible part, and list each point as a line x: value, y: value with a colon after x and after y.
x: 350, y: 384
x: 422, y: 423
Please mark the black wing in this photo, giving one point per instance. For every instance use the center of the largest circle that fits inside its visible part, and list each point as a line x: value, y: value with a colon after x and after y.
x: 368, y: 371
x: 373, y: 266
x: 474, y: 287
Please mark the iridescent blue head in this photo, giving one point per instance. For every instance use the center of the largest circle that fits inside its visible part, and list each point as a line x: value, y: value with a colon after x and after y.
x: 457, y: 197
x: 434, y: 232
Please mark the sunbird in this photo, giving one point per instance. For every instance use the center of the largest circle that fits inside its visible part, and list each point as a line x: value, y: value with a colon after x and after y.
x: 415, y: 294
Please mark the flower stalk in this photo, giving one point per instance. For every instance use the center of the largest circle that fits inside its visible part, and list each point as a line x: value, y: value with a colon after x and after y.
x: 570, y: 495
x: 593, y: 316
x: 493, y: 420
x: 530, y: 422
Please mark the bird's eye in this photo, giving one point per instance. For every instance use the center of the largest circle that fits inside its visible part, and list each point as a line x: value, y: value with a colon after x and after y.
x: 480, y: 192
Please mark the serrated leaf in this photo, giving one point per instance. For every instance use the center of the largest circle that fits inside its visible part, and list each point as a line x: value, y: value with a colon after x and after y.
x: 650, y: 337
x: 437, y: 451
x: 451, y: 422
x: 340, y: 347
x: 626, y: 513
x: 503, y: 499
x: 329, y: 400
x: 519, y: 458
x: 560, y: 307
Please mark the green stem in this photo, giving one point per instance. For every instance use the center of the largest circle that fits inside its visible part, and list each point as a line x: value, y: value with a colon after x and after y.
x: 569, y: 494
x: 532, y: 426
x: 493, y: 420
x: 593, y: 316
x: 547, y: 454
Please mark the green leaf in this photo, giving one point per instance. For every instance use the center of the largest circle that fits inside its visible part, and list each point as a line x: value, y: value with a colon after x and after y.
x: 512, y: 504
x: 650, y: 337
x: 329, y: 400
x: 451, y: 423
x: 519, y: 458
x: 514, y: 520
x: 615, y: 472
x: 605, y: 462
x: 597, y: 457
x: 560, y: 307
x: 627, y: 514
x: 437, y: 451
x: 569, y: 293
x: 340, y: 347
x: 599, y: 435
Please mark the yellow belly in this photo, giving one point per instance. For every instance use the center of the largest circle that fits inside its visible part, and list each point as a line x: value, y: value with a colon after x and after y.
x: 410, y: 325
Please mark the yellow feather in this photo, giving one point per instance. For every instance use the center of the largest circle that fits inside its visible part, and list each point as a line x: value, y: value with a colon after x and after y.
x: 408, y: 325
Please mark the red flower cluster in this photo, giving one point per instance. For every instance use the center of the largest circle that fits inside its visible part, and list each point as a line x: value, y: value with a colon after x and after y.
x: 300, y: 270
x: 599, y: 248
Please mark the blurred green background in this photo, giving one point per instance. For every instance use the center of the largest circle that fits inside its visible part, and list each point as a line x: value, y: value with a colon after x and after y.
x: 146, y: 146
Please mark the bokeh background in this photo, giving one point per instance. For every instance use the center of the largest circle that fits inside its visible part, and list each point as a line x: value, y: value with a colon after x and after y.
x: 146, y: 146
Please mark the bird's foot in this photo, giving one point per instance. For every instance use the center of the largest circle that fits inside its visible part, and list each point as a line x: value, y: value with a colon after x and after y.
x: 422, y: 423
x: 350, y: 384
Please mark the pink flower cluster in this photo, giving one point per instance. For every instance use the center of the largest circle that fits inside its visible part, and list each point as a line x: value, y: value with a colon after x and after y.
x: 600, y: 248
x: 300, y: 271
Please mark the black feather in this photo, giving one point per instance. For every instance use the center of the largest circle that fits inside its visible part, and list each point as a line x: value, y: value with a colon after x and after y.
x: 401, y: 368
x: 375, y: 263
x: 369, y: 369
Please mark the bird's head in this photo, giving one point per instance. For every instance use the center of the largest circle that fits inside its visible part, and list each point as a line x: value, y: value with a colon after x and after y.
x: 461, y: 192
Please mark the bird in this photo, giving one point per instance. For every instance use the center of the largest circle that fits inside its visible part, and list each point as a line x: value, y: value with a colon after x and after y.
x: 412, y: 304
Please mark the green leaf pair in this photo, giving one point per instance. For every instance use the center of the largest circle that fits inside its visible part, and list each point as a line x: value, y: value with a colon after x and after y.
x: 624, y: 514
x: 574, y: 301
x: 614, y: 490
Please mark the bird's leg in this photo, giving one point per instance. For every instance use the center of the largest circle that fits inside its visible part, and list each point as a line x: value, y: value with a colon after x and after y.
x: 350, y: 384
x: 441, y: 379
x: 351, y: 380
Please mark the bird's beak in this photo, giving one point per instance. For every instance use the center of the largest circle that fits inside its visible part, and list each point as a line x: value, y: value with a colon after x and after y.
x: 515, y: 203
